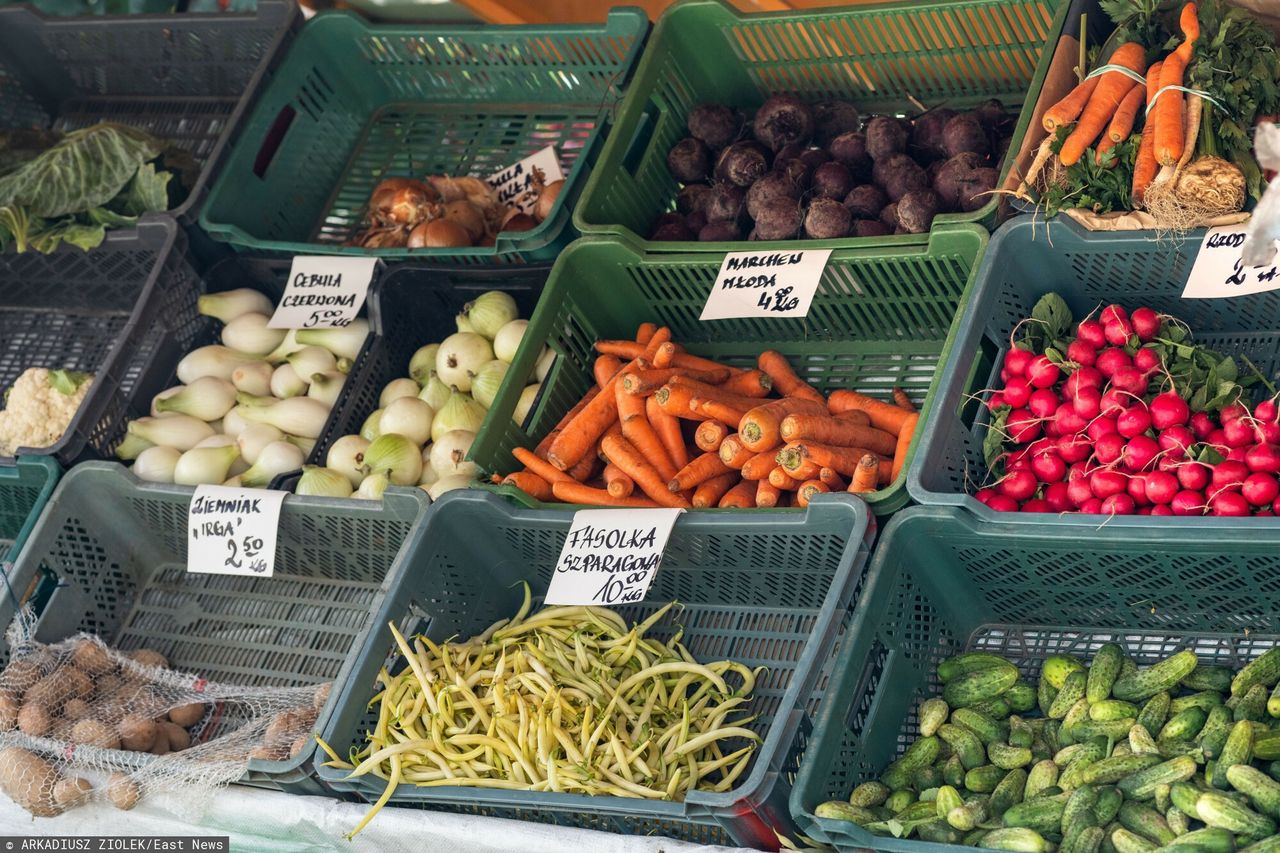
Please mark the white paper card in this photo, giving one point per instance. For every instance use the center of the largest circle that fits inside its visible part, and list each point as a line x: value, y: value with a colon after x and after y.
x: 765, y: 284
x: 513, y: 183
x: 610, y: 556
x: 323, y: 292
x: 232, y: 531
x: 1218, y: 271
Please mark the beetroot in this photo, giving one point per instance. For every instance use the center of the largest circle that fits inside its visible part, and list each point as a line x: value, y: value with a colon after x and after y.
x: 827, y: 219
x: 965, y: 133
x: 991, y: 114
x: 726, y: 203
x: 720, y: 232
x: 672, y: 231
x: 715, y: 124
x: 926, y: 134
x: 954, y: 177
x: 689, y: 161
x: 976, y: 192
x: 782, y: 119
x: 832, y: 181
x: 696, y: 220
x: 693, y: 198
x: 889, y: 215
x: 916, y: 210
x: 898, y: 174
x: 851, y: 150
x: 778, y: 219
x: 869, y: 228
x: 742, y: 163
x: 885, y: 137
x: 774, y: 186
x: 814, y: 157
x: 832, y: 118
x: 866, y: 201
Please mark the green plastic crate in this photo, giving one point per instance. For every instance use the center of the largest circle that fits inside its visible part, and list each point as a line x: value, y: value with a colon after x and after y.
x: 943, y: 581
x: 881, y: 57
x: 117, y: 548
x: 777, y: 596
x: 881, y: 317
x: 1026, y: 260
x: 25, y: 486
x: 354, y: 102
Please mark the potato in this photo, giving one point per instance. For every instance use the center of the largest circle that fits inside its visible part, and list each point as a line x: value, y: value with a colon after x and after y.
x: 34, y: 720
x: 286, y: 724
x: 262, y: 752
x: 76, y: 709
x: 29, y: 781
x: 92, y: 732
x: 9, y: 707
x: 71, y: 792
x: 187, y: 715
x: 149, y: 657
x: 20, y: 675
x: 321, y: 695
x: 92, y: 657
x: 54, y: 689
x: 160, y: 745
x: 179, y: 739
x: 123, y: 792
x: 299, y: 745
x: 137, y: 733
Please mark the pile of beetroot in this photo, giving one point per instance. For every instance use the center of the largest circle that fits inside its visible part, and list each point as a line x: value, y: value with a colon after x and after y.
x: 1127, y: 416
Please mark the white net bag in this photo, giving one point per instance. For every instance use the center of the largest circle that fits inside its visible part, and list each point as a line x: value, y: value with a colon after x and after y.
x: 82, y: 721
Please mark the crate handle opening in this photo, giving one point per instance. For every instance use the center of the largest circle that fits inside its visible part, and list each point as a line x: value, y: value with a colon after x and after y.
x: 640, y: 139
x: 271, y: 142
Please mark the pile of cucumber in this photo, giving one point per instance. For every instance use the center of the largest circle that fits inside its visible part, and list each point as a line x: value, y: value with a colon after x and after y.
x: 1178, y: 756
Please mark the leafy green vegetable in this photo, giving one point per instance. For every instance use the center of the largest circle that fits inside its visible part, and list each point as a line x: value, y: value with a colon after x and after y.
x: 1100, y: 185
x: 68, y: 381
x: 993, y: 441
x: 1138, y: 20
x: 1052, y: 311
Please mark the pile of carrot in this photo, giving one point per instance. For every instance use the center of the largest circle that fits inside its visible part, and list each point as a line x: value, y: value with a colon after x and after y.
x: 663, y: 427
x: 1111, y: 102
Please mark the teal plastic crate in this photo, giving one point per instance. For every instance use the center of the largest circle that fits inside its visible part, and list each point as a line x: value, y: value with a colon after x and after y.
x: 1026, y: 260
x: 117, y: 549
x: 777, y: 595
x: 25, y: 487
x: 881, y: 317
x: 884, y: 58
x: 354, y: 102
x: 943, y: 581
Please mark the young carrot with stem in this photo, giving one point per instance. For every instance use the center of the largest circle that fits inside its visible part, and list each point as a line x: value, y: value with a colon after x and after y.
x: 577, y: 493
x: 698, y: 471
x: 624, y: 454
x: 1168, y: 110
x: 710, y: 491
x: 1145, y: 167
x: 784, y: 378
x: 741, y: 496
x: 668, y: 430
x: 1106, y: 97
x: 865, y: 475
x: 1122, y: 122
x: 1069, y: 108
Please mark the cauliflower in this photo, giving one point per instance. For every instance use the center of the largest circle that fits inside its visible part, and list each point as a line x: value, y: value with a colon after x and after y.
x: 39, y: 407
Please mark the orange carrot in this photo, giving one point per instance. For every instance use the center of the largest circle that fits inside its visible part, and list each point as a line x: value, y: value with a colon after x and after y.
x: 664, y: 355
x: 645, y: 332
x: 767, y: 494
x: 865, y: 475
x: 901, y: 400
x: 1104, y: 145
x: 529, y: 483
x: 760, y: 427
x: 637, y: 430
x: 843, y: 460
x: 1111, y: 89
x: 904, y: 445
x: 1145, y: 167
x: 668, y: 430
x: 759, y: 466
x: 1169, y: 110
x: 883, y: 415
x: 657, y: 339
x: 726, y: 413
x: 606, y: 366
x: 709, y: 435
x: 616, y: 481
x: 710, y: 391
x: 577, y: 493
x: 808, y: 489
x: 623, y: 453
x: 785, y: 380
x: 828, y: 430
x: 545, y: 470
x: 631, y: 350
x: 710, y: 492
x: 855, y: 416
x: 1122, y: 122
x: 780, y: 479
x: 622, y: 349
x: 698, y: 471
x: 749, y: 383
x: 545, y: 444
x: 702, y: 365
x: 832, y: 479
x: 732, y: 452
x: 586, y: 468
x: 1189, y: 23
x: 644, y: 381
x: 1069, y: 108
x: 741, y: 496
x: 579, y: 436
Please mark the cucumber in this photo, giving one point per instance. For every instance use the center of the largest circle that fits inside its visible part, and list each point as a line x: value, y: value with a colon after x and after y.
x: 1078, y: 812
x: 1088, y: 840
x: 1273, y: 770
x: 1273, y: 702
x: 939, y: 832
x: 1045, y: 694
x: 1020, y: 732
x: 1109, y: 800
x: 1016, y: 838
x: 974, y: 839
x: 925, y: 778
x: 1164, y: 799
x: 1121, y: 748
x: 987, y: 729
x: 1051, y: 791
x: 1145, y: 821
x: 1178, y: 822
x: 933, y: 713
x: 948, y: 798
x: 1183, y: 725
x: 1056, y: 669
x: 1261, y: 789
x: 1266, y: 845
x: 1261, y: 670
x: 1184, y: 796
x: 1211, y: 839
x: 930, y: 795
x: 1174, y: 748
x: 996, y: 709
x: 1252, y: 705
x: 1209, y: 677
x: 954, y: 667
x: 1043, y: 775
x: 1011, y: 791
x: 1111, y: 709
x: 970, y: 688
x: 1157, y: 678
x: 1217, y: 809
x: 983, y: 780
x: 1008, y: 757
x: 953, y: 771
x: 1237, y: 750
x: 1214, y: 732
x: 1078, y: 713
x: 1141, y: 785
x: 870, y: 794
x: 1021, y: 697
x: 967, y: 817
x: 1043, y: 814
x: 1071, y: 692
x: 1103, y: 672
x: 1110, y: 770
x: 900, y: 800
x: 1154, y: 713
x: 1127, y: 842
x: 840, y: 810
x: 963, y: 743
x: 1267, y: 747
x: 1141, y: 742
x: 1113, y: 729
x: 1205, y: 700
x: 1107, y: 846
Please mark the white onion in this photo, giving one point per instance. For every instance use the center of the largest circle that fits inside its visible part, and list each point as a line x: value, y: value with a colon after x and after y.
x: 423, y: 363
x: 489, y: 312
x: 487, y: 382
x: 230, y: 304
x: 310, y: 360
x: 410, y: 417
x: 254, y: 437
x: 372, y: 486
x: 524, y: 404
x: 460, y: 411
x: 449, y: 454
x: 371, y: 428
x: 181, y: 432
x: 397, y: 388
x: 326, y: 387
x: 507, y: 342
x: 249, y: 333
x: 435, y: 393
x: 278, y: 457
x: 131, y: 446
x: 460, y: 357
x: 156, y: 464
x: 322, y: 482
x: 207, y: 398
x: 213, y: 360
x: 346, y: 456
x: 545, y: 361
x: 253, y: 378
x: 234, y: 422
x: 300, y: 416
x: 344, y: 342
x: 204, y: 465
x: 448, y: 484
x: 285, y: 383
x: 396, y: 456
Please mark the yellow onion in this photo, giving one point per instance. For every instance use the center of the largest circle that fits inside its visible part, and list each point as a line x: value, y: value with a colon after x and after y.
x: 489, y: 312
x: 423, y: 363
x: 322, y: 482
x: 460, y: 411
x: 396, y: 456
x: 487, y: 381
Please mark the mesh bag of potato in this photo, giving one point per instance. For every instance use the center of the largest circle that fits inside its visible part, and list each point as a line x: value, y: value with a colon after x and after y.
x: 82, y: 721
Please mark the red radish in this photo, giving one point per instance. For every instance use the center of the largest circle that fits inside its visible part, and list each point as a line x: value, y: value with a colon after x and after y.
x: 1042, y: 372
x: 1107, y: 448
x: 1088, y: 402
x: 1217, y: 440
x: 1068, y: 421
x: 1142, y: 510
x: 984, y: 495
x: 1232, y: 412
x: 1092, y: 333
x: 1078, y: 492
x: 1267, y: 432
x: 1130, y: 379
x: 1229, y: 504
x: 995, y: 401
x: 1117, y: 335
x: 1202, y: 425
x: 1114, y: 314
x: 1112, y: 359
x: 1260, y: 489
x: 1133, y: 421
x: 1175, y: 439
x: 1084, y: 377
x: 1265, y: 411
x: 1093, y: 506
x: 1019, y: 485
x: 1003, y: 503
x: 1146, y: 323
x: 1022, y: 426
x: 1018, y: 461
x: 1005, y: 375
x: 1104, y: 483
x: 1081, y: 353
x: 1161, y: 486
x: 1228, y: 475
x: 1169, y: 409
x: 1238, y: 454
x: 1048, y: 467
x: 1169, y: 463
x: 1263, y: 513
x: 1051, y: 428
x: 1139, y: 452
x: 1161, y: 509
x: 1016, y: 361
x: 1146, y: 360
x: 1042, y: 403
x: 1016, y: 392
x: 1057, y: 496
x: 1187, y: 502
x: 1237, y: 432
x: 1100, y: 427
x: 1193, y: 476
x: 1114, y: 402
x: 1036, y: 505
x: 1120, y: 504
x: 1073, y: 447
x: 1264, y: 458
x: 1137, y: 489
x: 1275, y: 507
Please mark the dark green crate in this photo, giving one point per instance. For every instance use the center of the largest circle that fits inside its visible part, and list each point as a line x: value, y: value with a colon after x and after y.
x: 881, y: 57
x: 354, y: 102
x: 943, y: 581
x: 881, y: 317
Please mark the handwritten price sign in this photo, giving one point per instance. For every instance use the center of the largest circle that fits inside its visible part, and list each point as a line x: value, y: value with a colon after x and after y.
x: 610, y: 556
x: 765, y: 284
x: 1219, y: 271
x: 232, y: 531
x: 323, y: 292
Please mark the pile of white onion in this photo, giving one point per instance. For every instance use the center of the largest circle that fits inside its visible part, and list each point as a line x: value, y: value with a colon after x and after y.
x: 248, y: 409
x: 425, y: 422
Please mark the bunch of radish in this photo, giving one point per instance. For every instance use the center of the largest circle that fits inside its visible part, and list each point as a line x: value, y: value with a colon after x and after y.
x: 1123, y: 415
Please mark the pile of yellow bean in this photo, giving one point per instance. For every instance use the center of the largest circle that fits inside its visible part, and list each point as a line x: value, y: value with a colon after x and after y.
x: 566, y: 700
